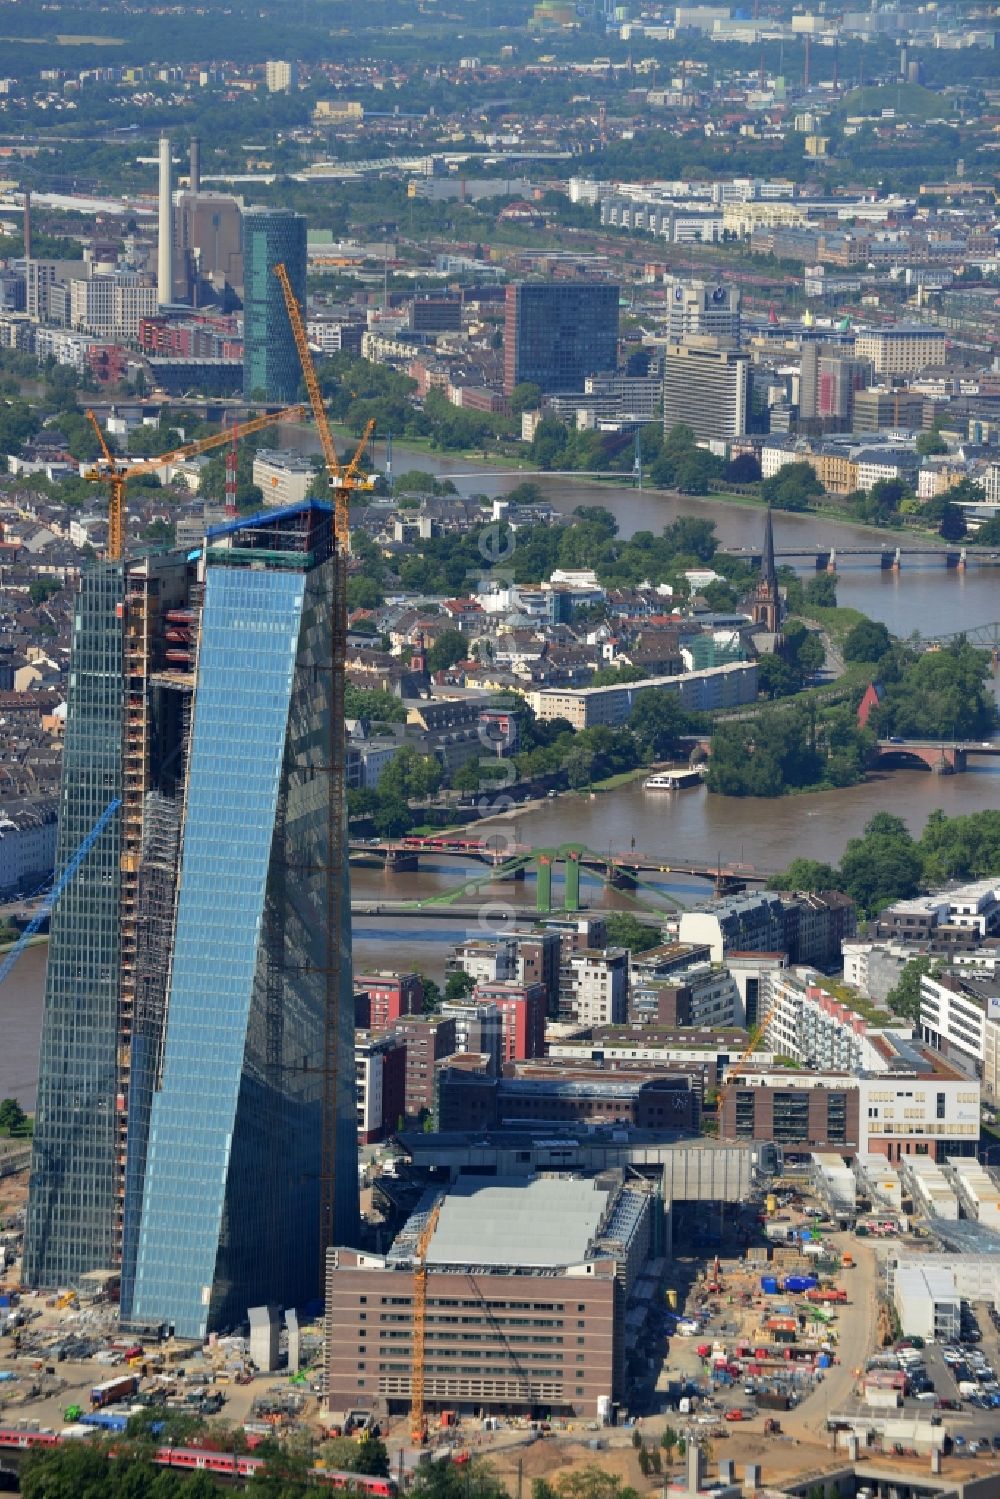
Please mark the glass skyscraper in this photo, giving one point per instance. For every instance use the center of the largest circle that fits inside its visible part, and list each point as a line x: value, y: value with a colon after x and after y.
x: 556, y: 333
x: 221, y: 1005
x: 271, y: 369
x: 72, y: 1208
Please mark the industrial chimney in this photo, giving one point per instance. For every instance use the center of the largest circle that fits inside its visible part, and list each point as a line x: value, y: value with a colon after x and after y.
x: 194, y: 168
x: 27, y: 224
x: 165, y: 248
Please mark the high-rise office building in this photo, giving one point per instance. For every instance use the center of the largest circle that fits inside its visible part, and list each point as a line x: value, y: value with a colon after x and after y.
x: 705, y: 383
x: 270, y: 358
x: 829, y: 377
x: 558, y: 332
x: 73, y: 1219
x: 702, y: 307
x: 180, y: 1125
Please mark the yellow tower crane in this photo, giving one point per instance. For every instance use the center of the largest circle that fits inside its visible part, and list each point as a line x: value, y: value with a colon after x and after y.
x: 343, y: 481
x: 418, y: 1421
x: 117, y: 475
x: 756, y: 1037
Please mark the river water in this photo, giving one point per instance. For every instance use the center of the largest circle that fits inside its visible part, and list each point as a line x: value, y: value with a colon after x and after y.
x: 684, y: 827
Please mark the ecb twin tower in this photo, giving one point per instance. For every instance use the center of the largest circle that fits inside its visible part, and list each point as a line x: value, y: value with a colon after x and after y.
x: 181, y: 1145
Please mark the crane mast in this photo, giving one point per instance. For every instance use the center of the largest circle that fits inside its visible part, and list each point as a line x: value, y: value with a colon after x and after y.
x: 418, y: 1421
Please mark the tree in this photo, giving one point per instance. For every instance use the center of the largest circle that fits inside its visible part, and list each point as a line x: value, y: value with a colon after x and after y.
x: 940, y: 694
x: 767, y: 756
x: 432, y: 996
x: 579, y: 765
x: 821, y: 591
x: 792, y: 487
x: 951, y: 525
x: 449, y: 647
x: 12, y: 1116
x: 743, y: 469
x: 657, y: 720
x: 40, y: 590
x: 695, y: 470
x: 549, y: 442
x: 466, y: 777
x: 777, y: 677
x: 410, y: 776
x: 988, y: 534
x: 868, y: 640
x: 345, y: 1455
x: 690, y: 536
x: 904, y: 998
x: 881, y: 866
x: 526, y: 396
x: 376, y: 706
x: 459, y: 985
x: 364, y: 593
x: 392, y: 818
x: 624, y: 930
x: 668, y: 1441
x: 930, y: 443
x: 808, y: 875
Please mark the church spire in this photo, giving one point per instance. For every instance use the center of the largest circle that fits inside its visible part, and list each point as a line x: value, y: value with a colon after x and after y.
x: 768, y: 570
x: 767, y: 600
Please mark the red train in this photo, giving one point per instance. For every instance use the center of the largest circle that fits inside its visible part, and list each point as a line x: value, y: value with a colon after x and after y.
x: 451, y: 845
x: 202, y: 1460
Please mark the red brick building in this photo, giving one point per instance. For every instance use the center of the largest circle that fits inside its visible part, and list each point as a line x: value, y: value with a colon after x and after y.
x: 522, y: 1018
x: 390, y: 997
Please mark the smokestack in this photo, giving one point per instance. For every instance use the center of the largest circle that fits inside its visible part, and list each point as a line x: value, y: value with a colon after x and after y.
x: 805, y: 63
x: 194, y: 169
x: 165, y: 247
x: 27, y: 224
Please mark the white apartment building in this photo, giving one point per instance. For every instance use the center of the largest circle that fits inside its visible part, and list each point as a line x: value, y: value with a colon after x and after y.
x: 726, y: 686
x: 283, y: 478
x: 112, y: 305
x: 960, y: 1018
x: 904, y: 350
x: 811, y: 1025
x: 281, y: 77
x: 493, y: 962
x: 735, y: 923
x: 64, y: 346
x: 599, y: 984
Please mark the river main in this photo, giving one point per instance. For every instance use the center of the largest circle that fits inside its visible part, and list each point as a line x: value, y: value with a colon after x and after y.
x: 683, y: 827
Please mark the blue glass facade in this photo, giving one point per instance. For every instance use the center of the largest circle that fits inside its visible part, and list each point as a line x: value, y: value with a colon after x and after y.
x: 72, y: 1211
x: 270, y: 359
x: 230, y: 1199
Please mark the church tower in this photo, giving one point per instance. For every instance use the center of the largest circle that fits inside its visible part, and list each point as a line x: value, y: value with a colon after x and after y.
x: 767, y: 599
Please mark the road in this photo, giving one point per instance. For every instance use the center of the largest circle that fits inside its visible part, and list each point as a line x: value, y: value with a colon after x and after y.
x: 856, y: 1324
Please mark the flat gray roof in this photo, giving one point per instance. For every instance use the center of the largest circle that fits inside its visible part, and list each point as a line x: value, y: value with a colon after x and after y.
x: 540, y: 1221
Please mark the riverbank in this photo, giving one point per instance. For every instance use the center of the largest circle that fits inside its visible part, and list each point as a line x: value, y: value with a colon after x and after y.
x: 826, y: 509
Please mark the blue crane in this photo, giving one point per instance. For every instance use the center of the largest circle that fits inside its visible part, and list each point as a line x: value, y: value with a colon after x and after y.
x: 67, y: 875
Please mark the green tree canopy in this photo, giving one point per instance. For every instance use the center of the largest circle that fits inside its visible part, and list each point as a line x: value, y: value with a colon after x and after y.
x: 881, y: 866
x: 904, y: 998
x: 868, y: 640
x: 792, y: 487
x: 449, y: 647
